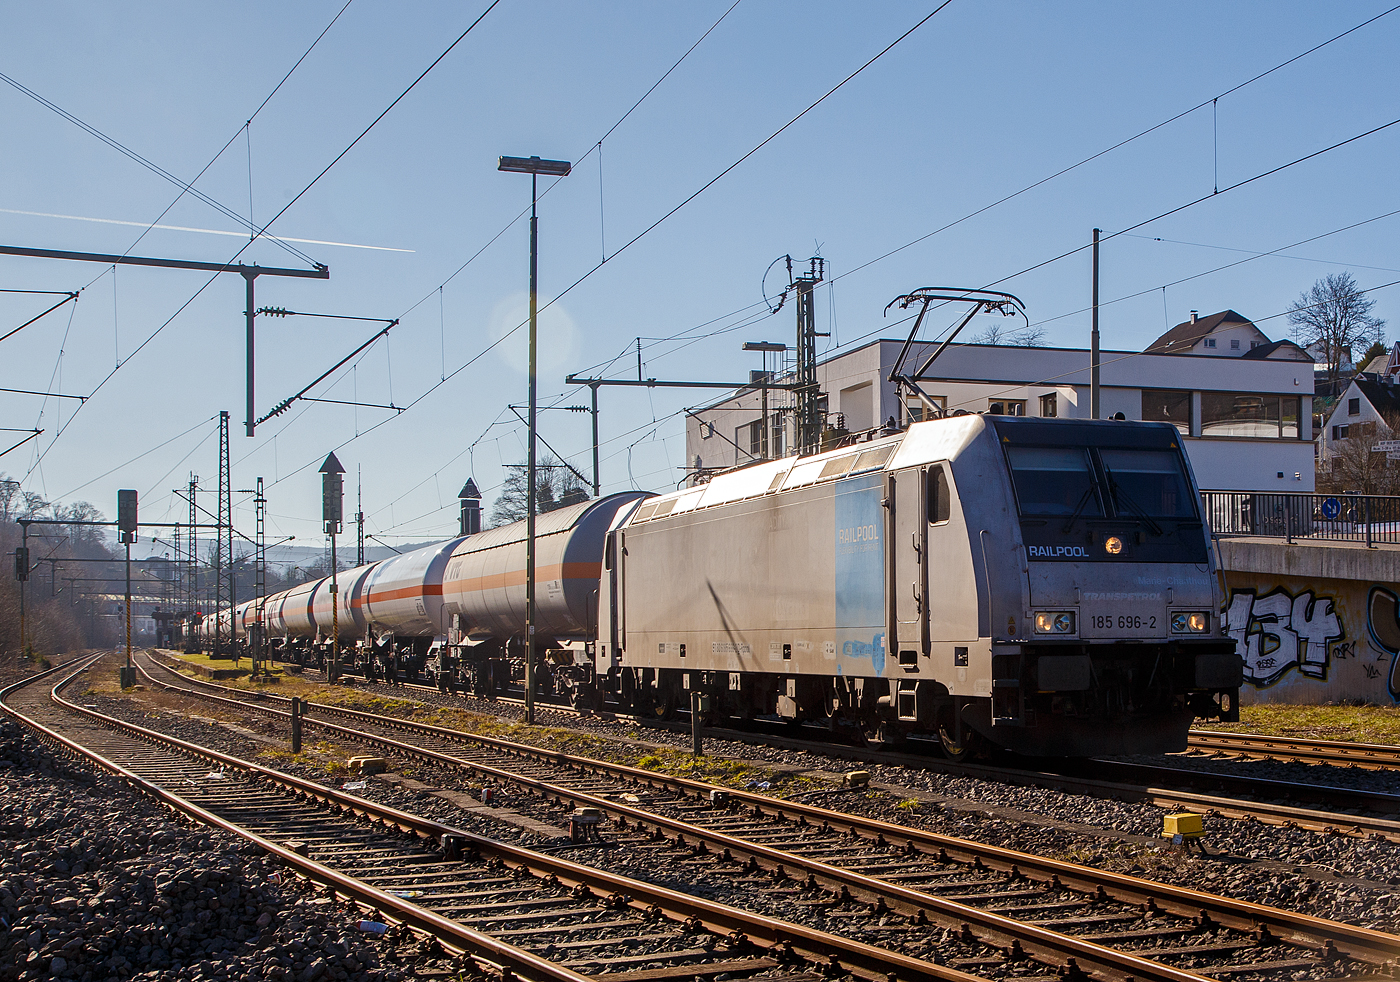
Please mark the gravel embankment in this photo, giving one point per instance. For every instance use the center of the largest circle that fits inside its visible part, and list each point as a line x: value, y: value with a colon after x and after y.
x: 98, y: 882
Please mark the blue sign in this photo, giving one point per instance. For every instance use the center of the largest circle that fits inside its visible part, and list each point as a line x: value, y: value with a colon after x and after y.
x: 1331, y: 508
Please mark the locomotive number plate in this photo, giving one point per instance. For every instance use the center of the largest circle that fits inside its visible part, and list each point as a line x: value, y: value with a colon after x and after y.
x: 1123, y: 615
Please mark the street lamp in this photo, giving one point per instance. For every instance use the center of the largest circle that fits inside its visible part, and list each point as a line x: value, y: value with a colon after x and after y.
x: 533, y: 166
x: 765, y: 347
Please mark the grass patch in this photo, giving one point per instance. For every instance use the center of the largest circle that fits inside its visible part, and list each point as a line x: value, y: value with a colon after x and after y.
x: 1357, y: 724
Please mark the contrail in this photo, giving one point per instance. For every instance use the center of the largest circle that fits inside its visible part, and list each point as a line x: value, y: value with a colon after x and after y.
x: 206, y: 231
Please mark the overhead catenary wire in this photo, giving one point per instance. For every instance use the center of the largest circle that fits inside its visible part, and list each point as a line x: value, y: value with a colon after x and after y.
x: 264, y: 228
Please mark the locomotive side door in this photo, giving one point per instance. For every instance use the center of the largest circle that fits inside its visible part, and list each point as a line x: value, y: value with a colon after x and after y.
x: 908, y: 545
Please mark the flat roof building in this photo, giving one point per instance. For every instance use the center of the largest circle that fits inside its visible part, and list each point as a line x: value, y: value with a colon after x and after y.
x: 1243, y: 405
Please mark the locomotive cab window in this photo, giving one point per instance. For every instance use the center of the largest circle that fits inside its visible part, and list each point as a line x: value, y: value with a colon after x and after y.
x: 1054, y: 481
x: 1147, y: 482
x: 940, y: 505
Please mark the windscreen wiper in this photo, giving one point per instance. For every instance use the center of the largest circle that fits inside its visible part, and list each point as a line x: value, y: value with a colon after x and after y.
x: 1120, y: 495
x: 1083, y: 500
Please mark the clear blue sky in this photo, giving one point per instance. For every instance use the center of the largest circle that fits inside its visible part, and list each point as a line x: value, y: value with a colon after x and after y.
x: 981, y: 101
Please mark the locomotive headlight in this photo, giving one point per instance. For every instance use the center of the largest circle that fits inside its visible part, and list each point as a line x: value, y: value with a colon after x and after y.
x: 1054, y: 622
x: 1190, y: 622
x: 1113, y: 545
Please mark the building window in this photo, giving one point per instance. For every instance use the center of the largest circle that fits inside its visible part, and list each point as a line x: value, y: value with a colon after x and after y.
x: 749, y: 437
x: 1168, y: 406
x: 1210, y: 342
x: 1334, y: 432
x: 1235, y: 344
x: 1242, y: 414
x: 1007, y: 407
x: 707, y: 430
x: 1354, y: 407
x: 918, y: 412
x: 1050, y: 404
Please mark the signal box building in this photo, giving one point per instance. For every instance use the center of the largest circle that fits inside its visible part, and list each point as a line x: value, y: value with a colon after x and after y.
x: 1243, y: 404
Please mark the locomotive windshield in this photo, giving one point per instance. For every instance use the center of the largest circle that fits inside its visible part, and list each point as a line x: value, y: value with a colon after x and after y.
x: 1054, y: 481
x: 1148, y: 483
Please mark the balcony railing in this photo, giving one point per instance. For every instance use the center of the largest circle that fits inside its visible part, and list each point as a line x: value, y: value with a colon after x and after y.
x: 1368, y: 519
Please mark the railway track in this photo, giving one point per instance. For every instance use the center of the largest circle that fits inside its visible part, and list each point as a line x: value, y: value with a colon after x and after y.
x: 1339, y: 752
x: 1116, y: 926
x: 516, y: 913
x: 1348, y: 811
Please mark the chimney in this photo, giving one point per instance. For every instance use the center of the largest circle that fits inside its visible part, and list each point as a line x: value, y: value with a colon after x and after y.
x: 1194, y: 314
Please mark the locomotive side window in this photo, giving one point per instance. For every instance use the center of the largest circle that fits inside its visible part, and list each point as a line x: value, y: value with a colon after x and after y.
x: 1147, y: 482
x: 1054, y: 481
x: 940, y: 503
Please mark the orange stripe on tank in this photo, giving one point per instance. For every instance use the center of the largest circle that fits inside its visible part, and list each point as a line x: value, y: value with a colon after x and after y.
x: 516, y: 577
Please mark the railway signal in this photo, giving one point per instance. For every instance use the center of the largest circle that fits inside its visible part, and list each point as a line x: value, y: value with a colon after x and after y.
x: 332, y: 511
x: 126, y: 530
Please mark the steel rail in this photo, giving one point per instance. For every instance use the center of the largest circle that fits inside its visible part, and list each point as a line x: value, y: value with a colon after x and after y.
x: 1304, y: 930
x: 1153, y: 791
x: 501, y: 956
x: 1288, y: 816
x: 866, y: 961
x: 1368, y: 755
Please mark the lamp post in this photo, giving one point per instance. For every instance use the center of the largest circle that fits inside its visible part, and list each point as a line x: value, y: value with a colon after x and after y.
x: 533, y: 166
x: 764, y: 347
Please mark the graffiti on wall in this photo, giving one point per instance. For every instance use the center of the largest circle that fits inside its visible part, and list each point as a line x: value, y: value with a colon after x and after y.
x: 1278, y: 631
x: 1383, y: 625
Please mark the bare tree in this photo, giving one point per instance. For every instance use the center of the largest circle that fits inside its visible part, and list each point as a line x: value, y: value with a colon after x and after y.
x: 998, y: 333
x: 1336, y: 315
x: 1352, y: 466
x: 556, y: 485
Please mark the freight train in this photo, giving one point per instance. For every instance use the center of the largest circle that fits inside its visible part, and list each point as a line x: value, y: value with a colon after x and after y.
x: 1045, y: 586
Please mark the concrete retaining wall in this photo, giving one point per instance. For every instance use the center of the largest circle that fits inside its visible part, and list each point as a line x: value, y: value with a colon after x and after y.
x: 1315, y: 622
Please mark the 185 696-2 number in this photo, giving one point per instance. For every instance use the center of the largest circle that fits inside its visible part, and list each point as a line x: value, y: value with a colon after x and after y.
x: 1123, y: 622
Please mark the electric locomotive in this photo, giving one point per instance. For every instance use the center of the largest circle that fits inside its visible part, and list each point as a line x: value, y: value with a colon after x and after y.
x: 1044, y: 585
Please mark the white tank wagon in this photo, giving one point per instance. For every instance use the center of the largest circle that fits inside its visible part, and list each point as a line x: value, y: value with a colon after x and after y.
x: 1045, y: 585
x: 483, y: 592
x: 293, y: 613
x: 349, y: 619
x: 402, y: 597
x: 485, y: 579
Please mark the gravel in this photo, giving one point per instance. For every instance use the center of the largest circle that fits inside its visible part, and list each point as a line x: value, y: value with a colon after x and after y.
x: 99, y: 882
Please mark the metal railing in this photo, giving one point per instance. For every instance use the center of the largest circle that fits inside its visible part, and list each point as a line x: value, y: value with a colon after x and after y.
x: 1364, y: 518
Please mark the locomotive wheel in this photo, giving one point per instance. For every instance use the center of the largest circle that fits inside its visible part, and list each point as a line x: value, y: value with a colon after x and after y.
x: 882, y: 734
x: 955, y: 750
x: 658, y: 704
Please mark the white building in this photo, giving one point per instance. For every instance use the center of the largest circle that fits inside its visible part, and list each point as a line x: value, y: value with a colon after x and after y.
x: 1243, y: 404
x: 1367, y: 410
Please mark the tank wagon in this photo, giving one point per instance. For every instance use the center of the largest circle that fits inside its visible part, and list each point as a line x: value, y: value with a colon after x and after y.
x: 1042, y: 585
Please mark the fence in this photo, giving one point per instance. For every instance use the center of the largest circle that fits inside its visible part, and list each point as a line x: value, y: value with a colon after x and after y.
x: 1370, y: 519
